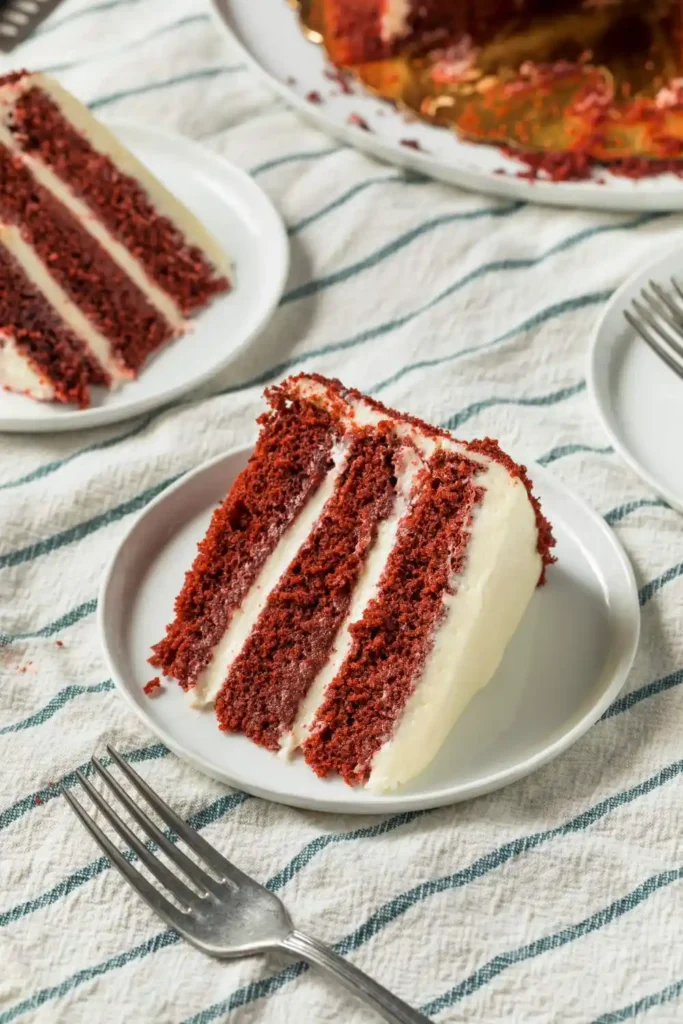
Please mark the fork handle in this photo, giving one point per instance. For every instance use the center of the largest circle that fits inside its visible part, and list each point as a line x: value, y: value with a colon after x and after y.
x: 388, y: 1006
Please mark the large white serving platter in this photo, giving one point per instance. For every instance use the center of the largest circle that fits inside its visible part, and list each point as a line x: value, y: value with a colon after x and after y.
x: 638, y: 398
x: 269, y: 35
x: 246, y: 224
x: 565, y: 665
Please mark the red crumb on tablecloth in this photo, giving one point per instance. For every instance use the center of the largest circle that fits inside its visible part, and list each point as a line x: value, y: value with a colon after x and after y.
x: 411, y: 143
x: 59, y: 643
x: 359, y: 122
x: 153, y: 687
x: 37, y: 800
x: 314, y: 96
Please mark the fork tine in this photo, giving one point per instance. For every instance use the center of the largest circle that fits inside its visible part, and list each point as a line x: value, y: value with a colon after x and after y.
x: 664, y: 310
x: 654, y: 344
x: 668, y: 341
x: 175, y: 885
x: 149, y: 893
x: 211, y: 856
x: 192, y: 870
x: 676, y: 312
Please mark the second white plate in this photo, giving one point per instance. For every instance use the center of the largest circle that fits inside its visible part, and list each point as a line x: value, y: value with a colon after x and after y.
x: 248, y: 227
x: 638, y: 398
x: 565, y: 665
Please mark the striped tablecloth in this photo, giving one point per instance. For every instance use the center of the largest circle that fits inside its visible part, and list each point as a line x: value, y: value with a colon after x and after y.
x: 557, y: 899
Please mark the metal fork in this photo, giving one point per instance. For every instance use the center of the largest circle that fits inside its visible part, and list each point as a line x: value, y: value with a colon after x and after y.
x: 658, y: 319
x: 224, y: 912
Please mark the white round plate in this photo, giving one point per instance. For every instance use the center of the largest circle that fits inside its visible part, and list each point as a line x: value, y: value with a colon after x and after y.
x: 565, y: 665
x: 246, y: 224
x: 270, y: 38
x: 639, y: 399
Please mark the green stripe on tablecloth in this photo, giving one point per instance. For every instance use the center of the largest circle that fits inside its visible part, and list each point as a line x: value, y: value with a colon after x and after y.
x: 563, y: 450
x: 490, y: 970
x: 55, y: 704
x: 615, y: 515
x: 53, y: 24
x: 69, y: 619
x: 161, y: 31
x: 391, y: 248
x: 642, y: 1005
x: 458, y: 418
x: 83, y: 530
x: 42, y: 796
x: 200, y: 819
x: 166, y: 83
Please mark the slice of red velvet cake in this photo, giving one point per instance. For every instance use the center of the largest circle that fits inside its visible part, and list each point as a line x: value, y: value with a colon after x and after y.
x: 99, y: 264
x: 358, y: 585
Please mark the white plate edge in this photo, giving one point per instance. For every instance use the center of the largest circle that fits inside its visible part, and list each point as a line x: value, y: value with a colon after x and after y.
x: 408, y: 802
x: 87, y: 419
x: 595, y: 393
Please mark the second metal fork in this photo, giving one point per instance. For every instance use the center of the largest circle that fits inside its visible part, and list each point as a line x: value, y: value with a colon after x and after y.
x: 219, y: 909
x: 658, y: 319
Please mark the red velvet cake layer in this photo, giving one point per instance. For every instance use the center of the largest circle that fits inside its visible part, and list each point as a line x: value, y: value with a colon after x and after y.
x: 295, y: 633
x: 118, y: 200
x: 107, y: 296
x: 54, y: 351
x: 394, y: 637
x: 290, y: 460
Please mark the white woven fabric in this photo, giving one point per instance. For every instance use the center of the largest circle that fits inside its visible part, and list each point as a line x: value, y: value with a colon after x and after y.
x: 557, y: 899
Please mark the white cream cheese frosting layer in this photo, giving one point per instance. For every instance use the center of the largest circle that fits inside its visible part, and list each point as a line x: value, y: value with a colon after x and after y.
x: 480, y: 615
x: 17, y: 373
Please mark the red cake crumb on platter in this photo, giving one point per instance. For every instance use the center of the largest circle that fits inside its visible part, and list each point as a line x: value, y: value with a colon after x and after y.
x: 153, y: 687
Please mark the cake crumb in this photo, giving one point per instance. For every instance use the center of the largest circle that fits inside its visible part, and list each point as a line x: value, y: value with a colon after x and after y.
x: 153, y: 688
x: 411, y: 143
x: 340, y: 78
x: 59, y: 643
x: 359, y: 122
x: 314, y: 97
